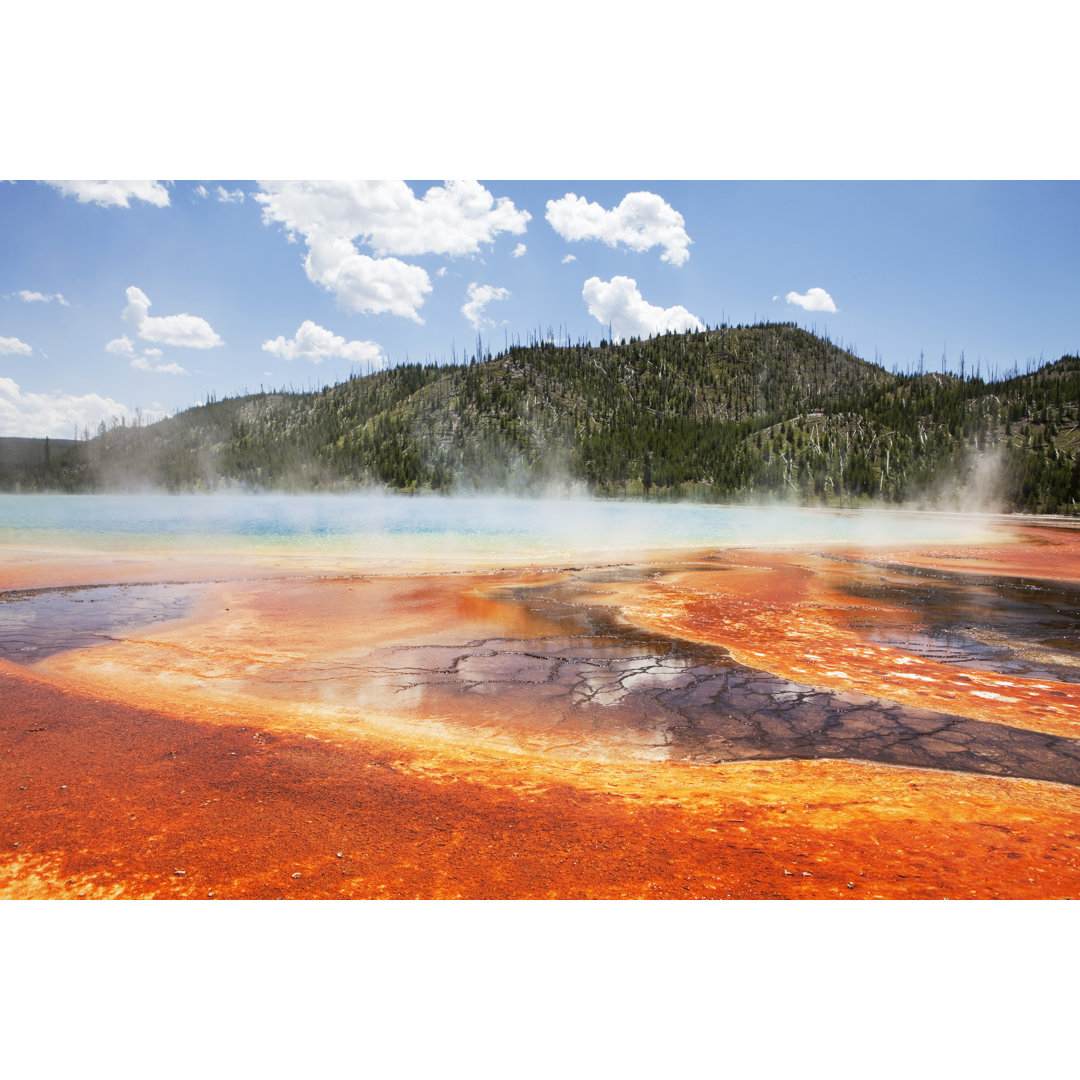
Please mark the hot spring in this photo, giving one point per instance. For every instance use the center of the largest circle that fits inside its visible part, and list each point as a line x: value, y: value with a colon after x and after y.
x: 444, y: 683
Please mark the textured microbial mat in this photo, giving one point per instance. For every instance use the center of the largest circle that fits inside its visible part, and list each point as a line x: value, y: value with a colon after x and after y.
x: 811, y: 719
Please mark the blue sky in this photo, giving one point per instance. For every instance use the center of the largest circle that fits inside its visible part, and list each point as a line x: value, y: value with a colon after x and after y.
x: 118, y: 297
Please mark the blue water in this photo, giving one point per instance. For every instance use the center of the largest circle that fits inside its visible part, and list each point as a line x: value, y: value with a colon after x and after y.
x: 387, y: 524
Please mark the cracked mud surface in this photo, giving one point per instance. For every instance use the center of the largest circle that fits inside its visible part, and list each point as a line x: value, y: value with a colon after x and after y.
x: 677, y: 701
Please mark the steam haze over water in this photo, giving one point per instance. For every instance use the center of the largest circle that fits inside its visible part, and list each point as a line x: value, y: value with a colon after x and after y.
x: 499, y: 531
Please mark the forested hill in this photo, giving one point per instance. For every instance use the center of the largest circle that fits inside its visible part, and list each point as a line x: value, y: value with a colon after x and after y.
x: 736, y: 413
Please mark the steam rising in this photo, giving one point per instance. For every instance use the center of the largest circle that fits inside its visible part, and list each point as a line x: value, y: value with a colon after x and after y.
x: 977, y: 489
x: 388, y: 531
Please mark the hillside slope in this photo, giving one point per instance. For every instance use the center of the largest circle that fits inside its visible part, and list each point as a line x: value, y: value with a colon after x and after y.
x: 750, y: 413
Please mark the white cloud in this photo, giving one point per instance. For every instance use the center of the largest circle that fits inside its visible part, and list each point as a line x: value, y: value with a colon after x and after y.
x: 386, y: 216
x: 363, y: 284
x: 28, y: 297
x: 121, y: 346
x: 144, y: 363
x: 812, y: 300
x: 147, y: 360
x: 441, y: 272
x: 641, y: 221
x: 55, y: 414
x: 113, y: 192
x: 569, y: 259
x: 479, y: 297
x: 189, y: 331
x: 220, y: 193
x: 12, y: 346
x: 316, y: 344
x: 518, y: 251
x: 618, y: 302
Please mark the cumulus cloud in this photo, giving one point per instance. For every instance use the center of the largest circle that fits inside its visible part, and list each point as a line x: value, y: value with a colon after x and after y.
x: 640, y: 222
x: 122, y: 346
x: 189, y: 331
x: 812, y: 300
x: 113, y: 192
x: 518, y: 251
x: 55, y: 414
x: 201, y: 191
x: 28, y: 297
x: 569, y: 259
x: 366, y: 285
x: 147, y: 360
x: 386, y: 216
x: 315, y: 343
x: 12, y: 346
x: 619, y: 303
x: 479, y: 297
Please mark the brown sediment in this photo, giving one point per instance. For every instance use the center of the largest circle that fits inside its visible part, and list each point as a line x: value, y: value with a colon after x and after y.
x: 258, y: 748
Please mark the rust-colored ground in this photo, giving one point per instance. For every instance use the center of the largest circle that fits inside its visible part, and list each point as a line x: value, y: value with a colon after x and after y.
x: 212, y: 757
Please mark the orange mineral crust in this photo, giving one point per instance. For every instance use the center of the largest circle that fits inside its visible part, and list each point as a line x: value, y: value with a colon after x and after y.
x: 509, y: 734
x: 1050, y: 553
x: 105, y: 800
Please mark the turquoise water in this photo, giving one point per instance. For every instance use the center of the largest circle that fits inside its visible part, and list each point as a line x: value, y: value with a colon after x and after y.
x: 489, y: 528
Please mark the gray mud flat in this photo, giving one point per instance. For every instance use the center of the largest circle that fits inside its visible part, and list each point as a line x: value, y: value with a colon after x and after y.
x: 36, y: 623
x: 675, y: 700
x: 1012, y: 626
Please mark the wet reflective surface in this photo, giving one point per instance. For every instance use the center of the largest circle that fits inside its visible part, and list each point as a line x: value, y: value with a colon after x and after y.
x: 665, y: 699
x: 549, y: 666
x: 36, y: 623
x: 1011, y: 625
